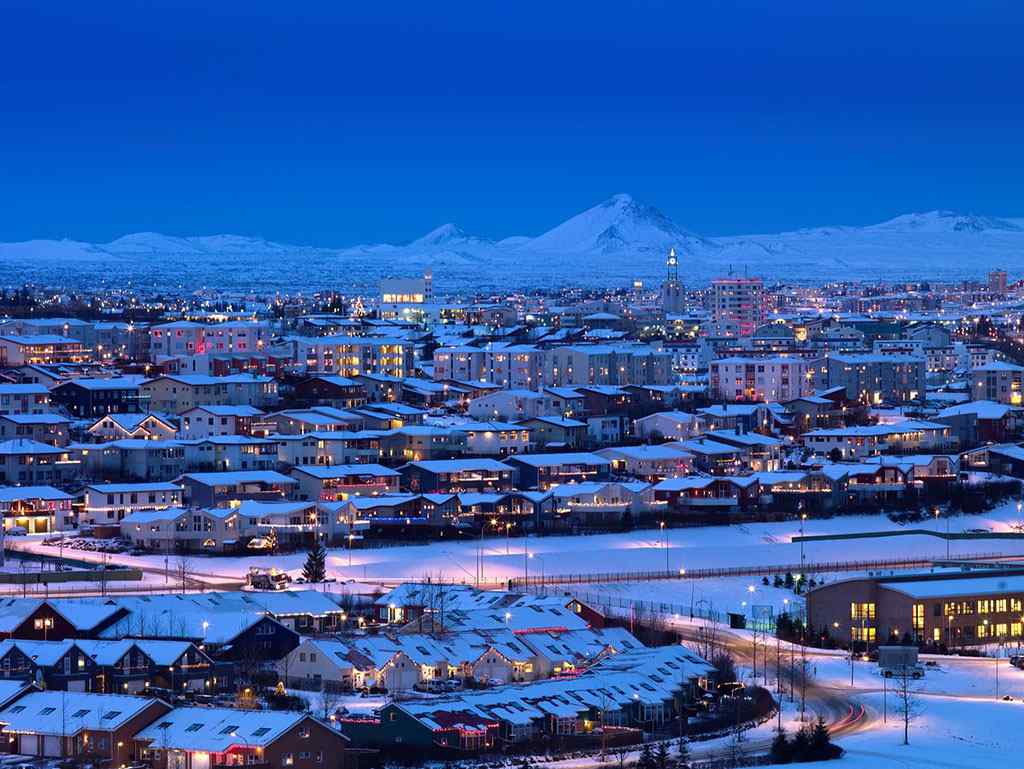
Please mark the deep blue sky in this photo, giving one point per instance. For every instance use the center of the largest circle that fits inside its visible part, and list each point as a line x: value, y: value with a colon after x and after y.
x: 345, y: 122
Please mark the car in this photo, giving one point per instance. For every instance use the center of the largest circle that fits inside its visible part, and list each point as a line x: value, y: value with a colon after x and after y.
x: 453, y: 684
x: 17, y: 531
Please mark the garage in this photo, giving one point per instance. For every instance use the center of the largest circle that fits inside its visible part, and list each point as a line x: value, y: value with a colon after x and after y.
x: 51, y: 745
x: 28, y: 744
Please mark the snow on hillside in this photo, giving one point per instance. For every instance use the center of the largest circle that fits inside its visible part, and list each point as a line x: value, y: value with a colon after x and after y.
x: 614, y: 242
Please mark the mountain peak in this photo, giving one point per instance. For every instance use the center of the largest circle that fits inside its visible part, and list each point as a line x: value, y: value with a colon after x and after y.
x: 946, y: 221
x: 621, y: 199
x: 446, y: 233
x: 620, y: 223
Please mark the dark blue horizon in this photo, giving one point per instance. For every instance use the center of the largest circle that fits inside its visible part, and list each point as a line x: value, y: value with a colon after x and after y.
x: 333, y: 125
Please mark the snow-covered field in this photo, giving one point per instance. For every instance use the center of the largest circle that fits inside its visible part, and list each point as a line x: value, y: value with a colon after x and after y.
x: 763, y: 544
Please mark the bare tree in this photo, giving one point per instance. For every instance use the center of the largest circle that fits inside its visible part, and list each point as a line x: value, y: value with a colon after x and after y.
x: 328, y: 701
x: 184, y: 568
x: 907, y: 700
x: 707, y: 642
x: 803, y: 674
x: 621, y: 753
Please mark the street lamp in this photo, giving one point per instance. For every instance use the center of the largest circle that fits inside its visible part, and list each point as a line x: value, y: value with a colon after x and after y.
x: 664, y: 536
x: 803, y: 517
x: 351, y: 536
x: 937, y: 511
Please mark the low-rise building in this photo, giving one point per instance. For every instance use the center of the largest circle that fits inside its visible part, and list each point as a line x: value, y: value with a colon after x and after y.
x: 24, y: 399
x: 36, y: 509
x: 335, y: 483
x: 947, y: 607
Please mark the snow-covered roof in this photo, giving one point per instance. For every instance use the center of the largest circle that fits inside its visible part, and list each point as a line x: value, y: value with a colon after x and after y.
x: 68, y: 713
x: 130, y: 382
x: 240, y: 476
x: 644, y: 452
x: 959, y: 586
x: 215, y: 730
x: 130, y: 488
x: 439, y: 466
x: 228, y: 411
x: 325, y: 472
x: 15, y: 493
x: 981, y: 409
x: 553, y: 460
x: 27, y: 446
x: 35, y: 419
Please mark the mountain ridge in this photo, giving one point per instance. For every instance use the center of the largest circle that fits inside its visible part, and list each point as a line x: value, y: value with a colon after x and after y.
x: 618, y: 239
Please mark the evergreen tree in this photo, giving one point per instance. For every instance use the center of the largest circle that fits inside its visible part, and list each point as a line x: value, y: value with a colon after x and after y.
x: 800, y: 748
x: 646, y: 760
x: 821, y: 747
x: 662, y: 759
x: 781, y: 752
x: 315, y: 569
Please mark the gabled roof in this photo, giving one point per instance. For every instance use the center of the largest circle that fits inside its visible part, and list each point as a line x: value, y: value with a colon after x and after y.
x: 68, y: 713
x: 216, y: 730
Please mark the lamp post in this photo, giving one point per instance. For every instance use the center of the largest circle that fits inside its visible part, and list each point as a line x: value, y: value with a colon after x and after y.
x: 664, y: 539
x: 508, y: 538
x: 937, y: 511
x: 351, y: 536
x: 803, y: 517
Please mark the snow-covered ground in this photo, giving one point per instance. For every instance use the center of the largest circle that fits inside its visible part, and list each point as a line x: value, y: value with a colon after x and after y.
x: 959, y: 722
x: 762, y: 544
x: 723, y: 594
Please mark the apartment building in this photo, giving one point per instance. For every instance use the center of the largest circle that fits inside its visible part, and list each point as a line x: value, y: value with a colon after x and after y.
x: 873, y: 379
x: 185, y: 337
x: 738, y: 305
x: 759, y: 379
x: 998, y: 381
x: 352, y: 356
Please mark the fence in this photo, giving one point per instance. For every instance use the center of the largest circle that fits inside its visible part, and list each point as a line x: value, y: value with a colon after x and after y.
x: 818, y: 567
x: 637, y: 608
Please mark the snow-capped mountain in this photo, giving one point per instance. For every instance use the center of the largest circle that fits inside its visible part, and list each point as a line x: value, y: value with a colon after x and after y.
x: 616, y: 225
x: 612, y: 243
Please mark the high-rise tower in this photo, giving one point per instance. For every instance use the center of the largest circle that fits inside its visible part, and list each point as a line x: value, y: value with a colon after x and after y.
x: 672, y: 289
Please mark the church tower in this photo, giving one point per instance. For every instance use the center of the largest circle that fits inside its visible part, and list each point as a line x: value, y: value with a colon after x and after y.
x: 672, y: 289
